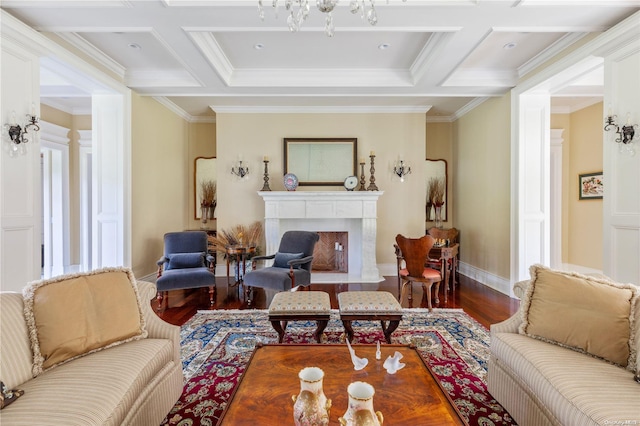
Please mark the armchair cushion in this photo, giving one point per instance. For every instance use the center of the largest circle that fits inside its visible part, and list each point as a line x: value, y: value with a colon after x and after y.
x: 281, y: 260
x: 596, y: 314
x: 185, y: 260
x: 74, y: 315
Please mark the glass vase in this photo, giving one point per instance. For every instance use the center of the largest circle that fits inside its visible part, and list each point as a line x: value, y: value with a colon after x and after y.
x: 439, y: 217
x: 204, y: 216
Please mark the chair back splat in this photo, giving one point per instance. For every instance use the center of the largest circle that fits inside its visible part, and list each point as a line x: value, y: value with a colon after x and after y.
x: 415, y: 252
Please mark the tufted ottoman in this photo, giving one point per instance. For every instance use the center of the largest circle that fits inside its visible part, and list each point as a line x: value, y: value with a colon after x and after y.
x: 370, y: 305
x: 299, y: 305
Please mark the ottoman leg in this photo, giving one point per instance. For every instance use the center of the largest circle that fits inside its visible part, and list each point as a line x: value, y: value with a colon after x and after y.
x: 322, y: 324
x: 390, y: 329
x: 278, y: 327
x: 348, y: 329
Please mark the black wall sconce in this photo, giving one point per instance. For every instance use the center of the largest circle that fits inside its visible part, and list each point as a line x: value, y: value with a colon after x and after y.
x: 625, y: 133
x: 19, y: 135
x: 401, y: 170
x: 240, y: 170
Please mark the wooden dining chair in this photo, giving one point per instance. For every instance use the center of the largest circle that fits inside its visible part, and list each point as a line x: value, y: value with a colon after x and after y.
x: 450, y: 234
x: 413, y: 252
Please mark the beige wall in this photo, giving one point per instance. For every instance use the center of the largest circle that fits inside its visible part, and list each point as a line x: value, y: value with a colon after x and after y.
x: 160, y: 180
x: 440, y: 147
x: 585, y: 216
x: 401, y: 209
x: 202, y: 143
x: 482, y: 174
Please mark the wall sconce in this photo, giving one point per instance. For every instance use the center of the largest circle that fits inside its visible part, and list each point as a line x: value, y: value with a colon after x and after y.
x: 625, y: 133
x: 401, y: 170
x: 19, y: 135
x: 240, y: 170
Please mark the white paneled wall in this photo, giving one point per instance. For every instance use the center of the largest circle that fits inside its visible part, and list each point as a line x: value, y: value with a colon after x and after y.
x: 20, y: 205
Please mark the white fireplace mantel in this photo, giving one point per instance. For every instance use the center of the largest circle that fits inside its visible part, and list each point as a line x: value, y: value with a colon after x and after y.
x: 354, y: 212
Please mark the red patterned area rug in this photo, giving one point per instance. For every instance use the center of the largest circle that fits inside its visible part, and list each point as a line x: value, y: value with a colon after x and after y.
x: 216, y: 346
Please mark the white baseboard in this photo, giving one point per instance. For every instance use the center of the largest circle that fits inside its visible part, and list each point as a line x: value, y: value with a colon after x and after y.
x: 493, y: 281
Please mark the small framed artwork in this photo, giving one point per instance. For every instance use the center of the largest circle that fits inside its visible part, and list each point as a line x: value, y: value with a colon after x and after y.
x: 591, y: 187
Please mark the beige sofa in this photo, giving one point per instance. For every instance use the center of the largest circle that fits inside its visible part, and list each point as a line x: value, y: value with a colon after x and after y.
x: 132, y: 383
x: 544, y: 383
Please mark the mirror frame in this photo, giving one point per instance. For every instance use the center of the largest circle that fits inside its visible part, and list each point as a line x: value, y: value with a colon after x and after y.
x: 196, y: 192
x: 431, y: 171
x: 339, y: 152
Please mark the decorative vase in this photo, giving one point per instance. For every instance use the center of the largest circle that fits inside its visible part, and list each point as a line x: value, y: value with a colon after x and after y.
x: 212, y: 210
x: 311, y: 407
x: 429, y: 205
x: 439, y: 216
x: 360, y: 410
x: 204, y: 216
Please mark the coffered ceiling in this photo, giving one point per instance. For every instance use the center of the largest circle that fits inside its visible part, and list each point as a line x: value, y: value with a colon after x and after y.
x: 201, y: 56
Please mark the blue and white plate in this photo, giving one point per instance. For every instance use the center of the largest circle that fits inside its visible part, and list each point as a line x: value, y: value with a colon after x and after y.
x: 290, y: 182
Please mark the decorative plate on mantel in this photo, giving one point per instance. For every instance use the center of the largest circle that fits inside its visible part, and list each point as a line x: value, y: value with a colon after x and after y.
x: 290, y: 182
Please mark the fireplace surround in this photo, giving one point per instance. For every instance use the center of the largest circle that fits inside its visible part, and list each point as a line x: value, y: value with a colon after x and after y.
x: 328, y: 211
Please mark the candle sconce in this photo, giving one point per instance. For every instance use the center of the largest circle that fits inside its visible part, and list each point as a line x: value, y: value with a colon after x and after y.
x: 625, y: 133
x: 19, y: 135
x: 240, y: 170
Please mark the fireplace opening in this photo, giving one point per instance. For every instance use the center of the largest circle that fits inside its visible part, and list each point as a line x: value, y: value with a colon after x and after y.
x: 331, y: 252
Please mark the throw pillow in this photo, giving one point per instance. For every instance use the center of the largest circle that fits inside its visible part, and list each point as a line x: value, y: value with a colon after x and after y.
x: 282, y: 259
x: 185, y: 260
x: 7, y: 396
x: 74, y: 315
x: 586, y: 314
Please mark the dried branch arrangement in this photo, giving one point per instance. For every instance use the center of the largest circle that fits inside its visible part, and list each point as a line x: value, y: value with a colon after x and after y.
x: 238, y: 234
x: 208, y: 190
x: 436, y: 191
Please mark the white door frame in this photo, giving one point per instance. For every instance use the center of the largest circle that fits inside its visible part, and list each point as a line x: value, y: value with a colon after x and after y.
x: 54, y: 143
x: 84, y: 153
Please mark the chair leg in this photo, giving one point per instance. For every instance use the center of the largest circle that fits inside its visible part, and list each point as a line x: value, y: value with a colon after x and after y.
x: 212, y: 295
x: 426, y: 288
x: 438, y: 292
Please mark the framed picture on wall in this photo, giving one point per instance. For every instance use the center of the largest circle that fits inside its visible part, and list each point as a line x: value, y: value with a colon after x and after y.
x: 590, y: 186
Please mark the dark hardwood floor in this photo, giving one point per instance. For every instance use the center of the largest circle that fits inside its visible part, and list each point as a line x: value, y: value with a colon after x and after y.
x: 485, y: 305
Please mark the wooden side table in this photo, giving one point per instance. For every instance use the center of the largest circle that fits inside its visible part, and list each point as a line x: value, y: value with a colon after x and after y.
x: 238, y: 253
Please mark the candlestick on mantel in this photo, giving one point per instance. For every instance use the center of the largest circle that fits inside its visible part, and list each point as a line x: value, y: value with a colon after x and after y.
x: 266, y: 187
x: 362, y: 178
x: 372, y: 180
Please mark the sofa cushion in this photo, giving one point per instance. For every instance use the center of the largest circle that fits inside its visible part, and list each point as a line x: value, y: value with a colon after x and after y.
x: 73, y: 315
x: 281, y: 260
x: 97, y: 389
x: 583, y: 313
x: 185, y: 260
x: 577, y: 388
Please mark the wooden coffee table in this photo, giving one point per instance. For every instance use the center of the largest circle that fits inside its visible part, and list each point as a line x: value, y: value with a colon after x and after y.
x: 411, y: 396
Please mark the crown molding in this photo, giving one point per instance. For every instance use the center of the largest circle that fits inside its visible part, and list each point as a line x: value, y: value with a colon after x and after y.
x: 355, y: 109
x: 93, y: 52
x: 429, y: 53
x: 173, y: 108
x: 440, y: 119
x: 469, y: 107
x: 550, y: 52
x: 212, y: 51
x: 53, y: 133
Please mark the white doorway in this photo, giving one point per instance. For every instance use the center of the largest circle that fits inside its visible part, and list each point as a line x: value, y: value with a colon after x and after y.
x: 55, y: 199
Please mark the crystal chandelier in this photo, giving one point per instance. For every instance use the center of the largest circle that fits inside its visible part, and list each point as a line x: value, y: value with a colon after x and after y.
x: 299, y: 11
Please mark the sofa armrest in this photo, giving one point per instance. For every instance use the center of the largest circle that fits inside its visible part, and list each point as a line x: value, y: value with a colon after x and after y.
x: 156, y: 327
x: 520, y: 288
x: 510, y: 325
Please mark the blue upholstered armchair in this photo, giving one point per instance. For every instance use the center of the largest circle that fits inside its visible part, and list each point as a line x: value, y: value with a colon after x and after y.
x: 291, y: 264
x: 185, y: 264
